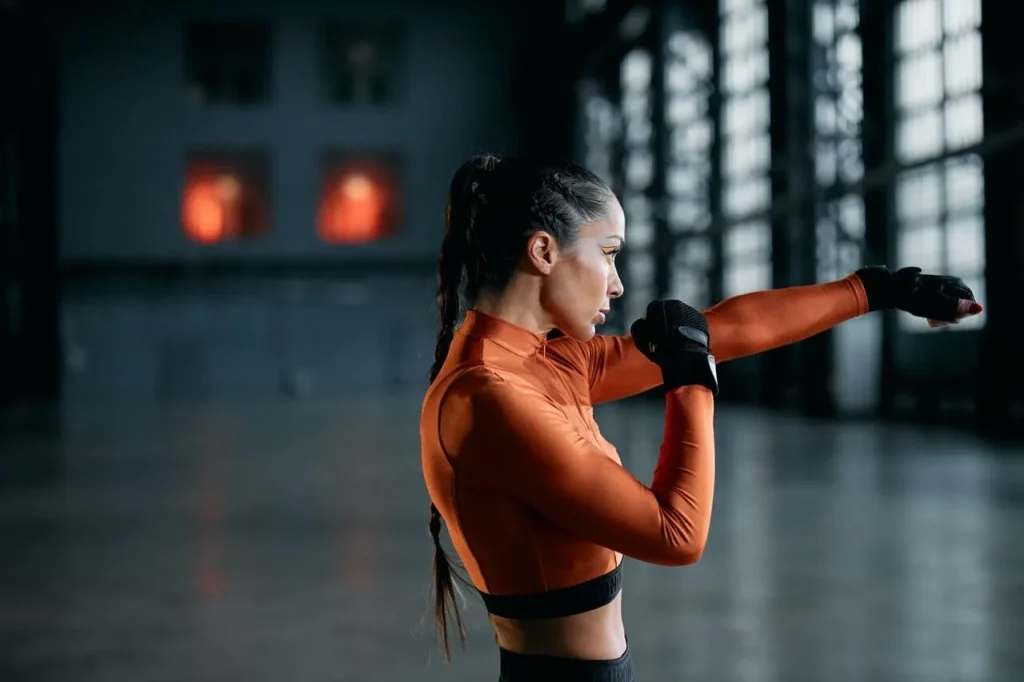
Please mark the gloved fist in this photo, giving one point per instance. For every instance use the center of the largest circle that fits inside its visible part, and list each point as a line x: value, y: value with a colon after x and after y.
x: 675, y: 336
x: 941, y: 299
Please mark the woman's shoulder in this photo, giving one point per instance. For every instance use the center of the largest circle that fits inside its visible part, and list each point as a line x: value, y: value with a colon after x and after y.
x: 483, y: 382
x: 476, y: 400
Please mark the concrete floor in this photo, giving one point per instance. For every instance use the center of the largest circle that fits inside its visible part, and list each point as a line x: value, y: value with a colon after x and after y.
x: 289, y: 542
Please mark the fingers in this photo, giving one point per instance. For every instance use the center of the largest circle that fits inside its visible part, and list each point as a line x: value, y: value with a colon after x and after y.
x: 967, y: 308
x: 941, y: 308
x: 657, y: 315
x: 964, y: 308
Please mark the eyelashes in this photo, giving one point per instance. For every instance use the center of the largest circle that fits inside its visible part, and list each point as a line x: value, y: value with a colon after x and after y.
x: 611, y: 252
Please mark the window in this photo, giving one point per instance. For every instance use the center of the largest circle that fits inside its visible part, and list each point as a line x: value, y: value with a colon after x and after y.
x: 359, y: 198
x: 940, y: 206
x: 838, y: 115
x: 361, y: 65
x: 227, y: 63
x: 688, y: 73
x: 600, y: 127
x: 746, y: 146
x: 225, y: 196
x: 636, y: 78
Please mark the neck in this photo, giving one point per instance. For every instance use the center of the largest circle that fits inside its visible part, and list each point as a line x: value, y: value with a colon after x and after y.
x: 514, y: 306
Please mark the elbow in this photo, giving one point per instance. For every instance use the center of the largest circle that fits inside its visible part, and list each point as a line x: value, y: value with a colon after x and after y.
x: 673, y: 552
x: 685, y: 547
x: 684, y: 533
x: 686, y: 554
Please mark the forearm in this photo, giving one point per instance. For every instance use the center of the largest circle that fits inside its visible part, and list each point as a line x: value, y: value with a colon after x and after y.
x: 763, y: 320
x: 742, y: 325
x: 684, y: 478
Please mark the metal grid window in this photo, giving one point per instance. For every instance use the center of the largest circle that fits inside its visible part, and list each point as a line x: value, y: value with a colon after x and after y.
x: 838, y: 115
x: 688, y: 83
x: 746, y: 146
x: 940, y: 206
x: 600, y: 129
x: 636, y: 77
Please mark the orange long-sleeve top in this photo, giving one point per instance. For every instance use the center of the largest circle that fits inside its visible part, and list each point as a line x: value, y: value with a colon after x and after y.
x: 535, y: 499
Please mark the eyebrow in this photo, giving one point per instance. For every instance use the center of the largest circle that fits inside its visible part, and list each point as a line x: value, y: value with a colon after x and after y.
x: 622, y: 240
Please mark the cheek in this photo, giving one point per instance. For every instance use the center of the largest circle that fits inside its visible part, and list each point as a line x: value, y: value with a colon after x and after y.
x: 581, y: 285
x: 591, y: 275
x: 604, y: 273
x: 595, y: 288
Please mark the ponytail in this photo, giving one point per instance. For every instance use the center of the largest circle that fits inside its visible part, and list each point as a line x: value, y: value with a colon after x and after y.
x: 449, y: 297
x: 452, y: 267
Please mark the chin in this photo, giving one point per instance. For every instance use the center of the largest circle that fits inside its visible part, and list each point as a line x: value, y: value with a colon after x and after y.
x: 580, y: 332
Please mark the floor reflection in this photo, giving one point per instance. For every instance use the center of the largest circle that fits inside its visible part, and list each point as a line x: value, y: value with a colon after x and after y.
x: 289, y: 542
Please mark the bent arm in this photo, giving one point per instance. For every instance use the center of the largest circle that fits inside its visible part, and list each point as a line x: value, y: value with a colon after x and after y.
x: 518, y: 443
x: 742, y: 325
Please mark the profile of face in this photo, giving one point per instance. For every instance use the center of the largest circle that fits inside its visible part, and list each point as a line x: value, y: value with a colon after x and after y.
x: 580, y: 281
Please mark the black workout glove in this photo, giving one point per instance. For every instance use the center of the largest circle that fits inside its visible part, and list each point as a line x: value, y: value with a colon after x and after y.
x: 934, y: 297
x: 675, y: 337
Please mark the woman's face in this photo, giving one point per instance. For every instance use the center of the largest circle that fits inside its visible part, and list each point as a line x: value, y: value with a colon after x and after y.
x: 578, y: 291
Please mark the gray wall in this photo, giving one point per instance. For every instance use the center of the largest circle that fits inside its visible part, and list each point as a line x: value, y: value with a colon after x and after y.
x: 124, y: 133
x: 126, y: 124
x: 249, y: 340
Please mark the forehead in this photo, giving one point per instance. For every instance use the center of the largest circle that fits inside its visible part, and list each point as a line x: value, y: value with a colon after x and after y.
x: 612, y: 224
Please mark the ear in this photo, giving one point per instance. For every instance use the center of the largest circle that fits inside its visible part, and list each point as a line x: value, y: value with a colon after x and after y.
x: 542, y: 251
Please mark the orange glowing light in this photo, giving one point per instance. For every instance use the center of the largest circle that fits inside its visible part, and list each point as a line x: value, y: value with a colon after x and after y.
x: 203, y: 214
x: 211, y: 208
x: 353, y: 210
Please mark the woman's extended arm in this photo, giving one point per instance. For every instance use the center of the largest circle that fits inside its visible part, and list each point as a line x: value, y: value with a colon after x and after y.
x: 739, y: 326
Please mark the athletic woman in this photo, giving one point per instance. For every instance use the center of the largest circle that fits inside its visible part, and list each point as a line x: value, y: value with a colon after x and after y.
x: 536, y: 501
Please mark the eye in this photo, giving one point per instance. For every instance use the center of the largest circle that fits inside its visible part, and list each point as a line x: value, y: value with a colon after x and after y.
x: 611, y: 251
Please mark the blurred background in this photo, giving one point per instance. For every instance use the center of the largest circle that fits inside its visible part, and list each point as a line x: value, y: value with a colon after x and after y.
x: 219, y: 225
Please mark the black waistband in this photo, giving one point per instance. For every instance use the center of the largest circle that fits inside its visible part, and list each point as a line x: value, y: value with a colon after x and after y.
x: 522, y: 667
x: 567, y: 601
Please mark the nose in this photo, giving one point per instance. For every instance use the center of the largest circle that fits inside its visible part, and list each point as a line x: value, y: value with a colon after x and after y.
x: 615, y: 287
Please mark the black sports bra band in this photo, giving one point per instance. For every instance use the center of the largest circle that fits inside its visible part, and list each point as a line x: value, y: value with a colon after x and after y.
x: 566, y: 601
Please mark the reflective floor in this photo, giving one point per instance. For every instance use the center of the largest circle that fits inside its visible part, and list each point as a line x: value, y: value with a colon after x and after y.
x: 290, y: 543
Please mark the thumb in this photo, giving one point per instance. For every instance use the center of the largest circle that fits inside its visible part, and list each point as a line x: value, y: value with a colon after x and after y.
x: 640, y: 331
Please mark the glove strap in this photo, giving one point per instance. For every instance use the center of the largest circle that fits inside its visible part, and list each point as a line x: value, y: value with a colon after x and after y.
x: 878, y: 286
x: 689, y: 368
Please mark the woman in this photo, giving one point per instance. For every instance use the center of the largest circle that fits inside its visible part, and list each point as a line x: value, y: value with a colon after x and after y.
x: 537, y: 503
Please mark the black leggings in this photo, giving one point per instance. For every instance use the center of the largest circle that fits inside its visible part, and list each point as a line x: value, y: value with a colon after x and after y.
x: 528, y: 668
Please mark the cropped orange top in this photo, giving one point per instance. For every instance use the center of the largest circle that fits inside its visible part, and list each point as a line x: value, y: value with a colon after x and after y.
x: 535, y: 499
